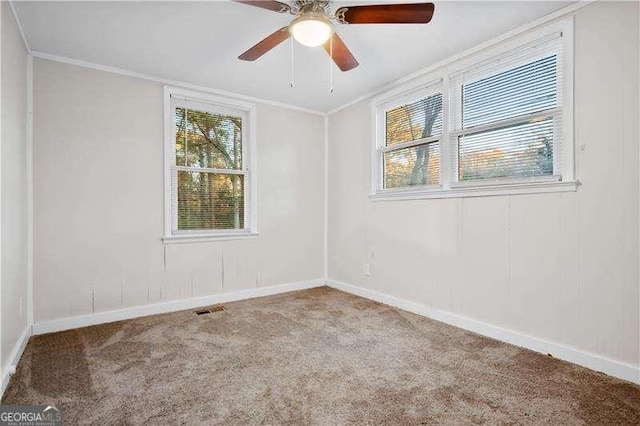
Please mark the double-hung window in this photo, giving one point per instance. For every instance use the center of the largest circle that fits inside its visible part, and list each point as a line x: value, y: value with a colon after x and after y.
x: 412, y: 129
x: 507, y: 117
x: 208, y: 178
x: 500, y: 124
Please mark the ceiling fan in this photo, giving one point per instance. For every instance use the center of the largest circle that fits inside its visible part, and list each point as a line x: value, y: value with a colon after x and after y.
x: 312, y: 26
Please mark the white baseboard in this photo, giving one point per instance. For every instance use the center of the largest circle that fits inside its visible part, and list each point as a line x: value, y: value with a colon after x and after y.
x: 14, y: 357
x: 172, y: 306
x: 595, y: 362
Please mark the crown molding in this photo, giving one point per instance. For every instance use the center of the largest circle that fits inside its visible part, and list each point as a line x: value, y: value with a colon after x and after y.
x: 15, y: 16
x: 170, y: 82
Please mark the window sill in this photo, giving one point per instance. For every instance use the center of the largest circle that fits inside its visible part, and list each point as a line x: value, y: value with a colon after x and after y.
x: 201, y: 238
x: 478, y: 191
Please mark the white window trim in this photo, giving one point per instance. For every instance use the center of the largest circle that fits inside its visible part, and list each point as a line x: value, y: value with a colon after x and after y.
x: 425, y: 90
x: 442, y: 79
x: 249, y: 165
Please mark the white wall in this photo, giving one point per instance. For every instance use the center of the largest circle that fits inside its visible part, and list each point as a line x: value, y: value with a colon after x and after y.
x: 98, y: 200
x: 560, y: 267
x: 13, y: 276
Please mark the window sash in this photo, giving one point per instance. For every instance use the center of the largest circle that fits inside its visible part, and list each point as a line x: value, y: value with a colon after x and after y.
x: 208, y: 108
x: 409, y: 144
x: 454, y: 137
x: 399, y: 147
x: 506, y: 122
x: 514, y: 58
x: 245, y: 228
x: 177, y: 101
x: 210, y: 170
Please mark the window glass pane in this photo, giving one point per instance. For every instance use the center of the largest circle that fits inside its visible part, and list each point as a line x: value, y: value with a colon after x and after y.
x: 520, y: 150
x: 418, y: 120
x: 210, y: 201
x: 416, y: 165
x: 205, y: 139
x: 523, y: 90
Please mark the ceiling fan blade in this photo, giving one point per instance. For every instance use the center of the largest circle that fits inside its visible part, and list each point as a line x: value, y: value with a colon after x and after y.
x: 266, y: 45
x: 340, y: 53
x: 272, y: 5
x: 410, y: 13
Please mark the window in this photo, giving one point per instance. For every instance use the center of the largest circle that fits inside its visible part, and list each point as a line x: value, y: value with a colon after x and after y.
x: 410, y: 155
x: 208, y: 181
x: 509, y: 119
x: 494, y: 125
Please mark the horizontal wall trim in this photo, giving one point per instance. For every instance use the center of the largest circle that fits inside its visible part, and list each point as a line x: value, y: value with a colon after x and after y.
x: 14, y: 357
x: 164, y: 307
x: 166, y: 81
x: 592, y: 361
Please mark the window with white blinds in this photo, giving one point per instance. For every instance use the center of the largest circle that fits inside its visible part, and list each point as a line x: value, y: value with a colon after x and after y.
x: 507, y: 116
x: 208, y: 168
x: 496, y: 123
x: 411, y: 155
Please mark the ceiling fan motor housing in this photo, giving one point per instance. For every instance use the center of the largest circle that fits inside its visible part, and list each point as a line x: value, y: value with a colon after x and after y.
x: 301, y: 7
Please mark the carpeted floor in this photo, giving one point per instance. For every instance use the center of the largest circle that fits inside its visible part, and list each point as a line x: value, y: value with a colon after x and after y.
x: 312, y: 357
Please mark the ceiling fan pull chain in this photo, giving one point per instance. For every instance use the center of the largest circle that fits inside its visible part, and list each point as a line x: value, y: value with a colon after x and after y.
x: 331, y: 65
x: 292, y: 68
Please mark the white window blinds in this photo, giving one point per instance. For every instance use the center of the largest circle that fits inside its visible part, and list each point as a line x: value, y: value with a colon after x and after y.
x: 507, y: 117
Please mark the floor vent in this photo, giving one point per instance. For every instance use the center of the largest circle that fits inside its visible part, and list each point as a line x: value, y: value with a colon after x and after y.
x: 210, y: 310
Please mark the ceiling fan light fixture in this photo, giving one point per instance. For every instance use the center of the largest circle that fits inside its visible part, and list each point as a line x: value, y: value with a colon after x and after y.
x: 313, y: 27
x: 311, y: 30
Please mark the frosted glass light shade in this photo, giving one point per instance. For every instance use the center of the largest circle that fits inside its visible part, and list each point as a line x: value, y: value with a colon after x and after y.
x: 310, y: 31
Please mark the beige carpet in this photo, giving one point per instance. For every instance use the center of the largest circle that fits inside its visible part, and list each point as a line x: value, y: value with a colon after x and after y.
x: 312, y: 357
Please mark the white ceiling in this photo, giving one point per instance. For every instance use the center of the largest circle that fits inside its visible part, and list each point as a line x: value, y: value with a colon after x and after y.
x: 198, y: 43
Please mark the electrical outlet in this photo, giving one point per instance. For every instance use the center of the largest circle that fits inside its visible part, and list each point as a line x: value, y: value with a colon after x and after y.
x: 366, y: 269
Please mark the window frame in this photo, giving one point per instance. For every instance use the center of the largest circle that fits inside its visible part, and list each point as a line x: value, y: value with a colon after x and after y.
x: 381, y: 148
x: 174, y: 97
x: 446, y: 78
